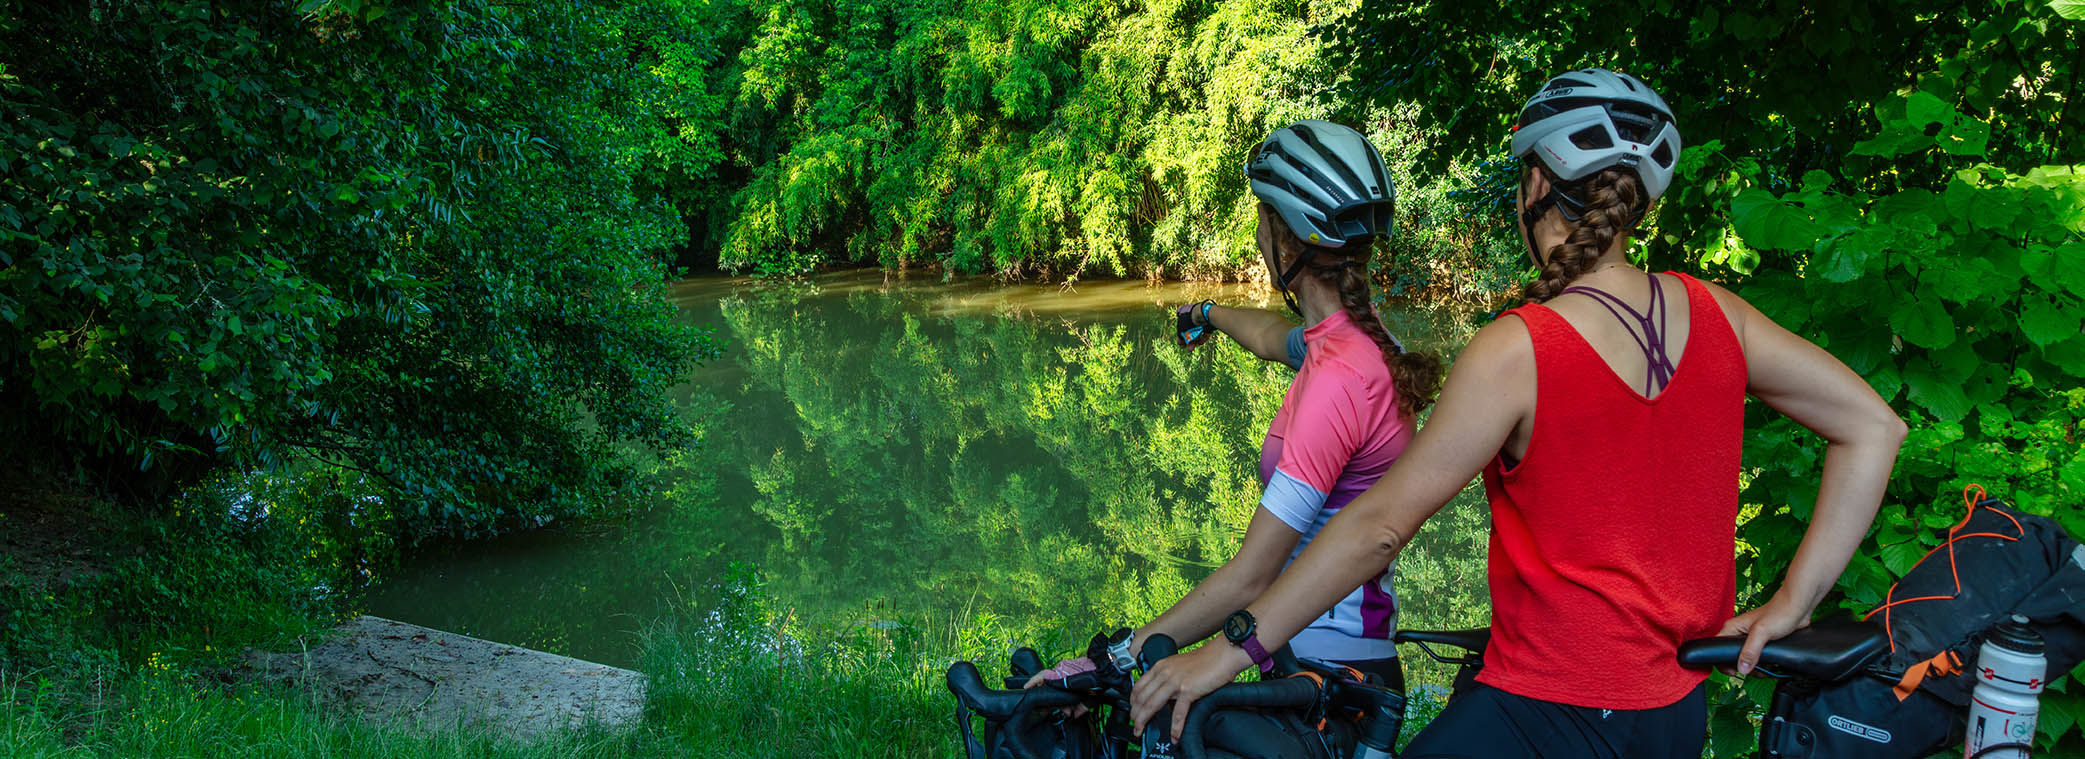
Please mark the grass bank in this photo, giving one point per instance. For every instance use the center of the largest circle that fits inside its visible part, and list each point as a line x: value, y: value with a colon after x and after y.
x: 734, y: 678
x: 729, y: 679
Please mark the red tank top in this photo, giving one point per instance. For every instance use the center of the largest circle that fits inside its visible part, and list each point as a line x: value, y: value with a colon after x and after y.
x: 1613, y: 540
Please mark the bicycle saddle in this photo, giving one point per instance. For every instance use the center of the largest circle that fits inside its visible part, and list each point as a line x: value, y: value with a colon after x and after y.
x: 1472, y: 641
x: 1827, y: 652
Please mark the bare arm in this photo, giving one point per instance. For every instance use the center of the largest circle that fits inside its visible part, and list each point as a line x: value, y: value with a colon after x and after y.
x: 1264, y: 333
x: 1862, y: 435
x: 1487, y: 396
x: 1259, y: 559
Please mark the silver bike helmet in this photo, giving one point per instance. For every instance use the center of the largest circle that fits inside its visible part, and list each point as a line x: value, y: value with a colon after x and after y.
x: 1585, y: 121
x: 1327, y: 182
x: 1329, y: 186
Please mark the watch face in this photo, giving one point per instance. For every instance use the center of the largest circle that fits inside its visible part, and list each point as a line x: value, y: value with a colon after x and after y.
x: 1238, y: 627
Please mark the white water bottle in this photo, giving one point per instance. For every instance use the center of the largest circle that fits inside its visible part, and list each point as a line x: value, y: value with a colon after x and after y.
x: 2009, y: 679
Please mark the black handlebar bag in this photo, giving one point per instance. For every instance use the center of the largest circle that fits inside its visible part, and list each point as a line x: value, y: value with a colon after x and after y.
x: 1272, y: 734
x: 1055, y: 738
x: 1913, y: 703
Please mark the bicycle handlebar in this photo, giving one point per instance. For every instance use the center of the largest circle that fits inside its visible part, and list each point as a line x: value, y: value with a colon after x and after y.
x: 1286, y: 693
x: 997, y: 705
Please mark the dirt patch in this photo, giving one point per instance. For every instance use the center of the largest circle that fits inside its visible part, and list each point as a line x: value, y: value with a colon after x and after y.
x: 392, y: 671
x: 46, y: 539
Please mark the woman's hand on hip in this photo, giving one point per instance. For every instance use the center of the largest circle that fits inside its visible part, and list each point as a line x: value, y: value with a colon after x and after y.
x: 1183, y: 679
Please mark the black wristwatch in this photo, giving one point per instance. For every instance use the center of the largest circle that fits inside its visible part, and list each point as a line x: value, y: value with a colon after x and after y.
x: 1241, y: 630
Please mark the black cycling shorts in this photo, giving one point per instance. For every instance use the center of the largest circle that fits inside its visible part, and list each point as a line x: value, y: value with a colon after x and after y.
x: 1493, y: 724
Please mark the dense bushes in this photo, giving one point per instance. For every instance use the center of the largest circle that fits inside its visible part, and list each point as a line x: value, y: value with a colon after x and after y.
x: 405, y: 239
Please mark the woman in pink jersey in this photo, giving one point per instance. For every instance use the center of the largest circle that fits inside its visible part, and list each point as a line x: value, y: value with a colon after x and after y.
x: 1606, y: 419
x: 1324, y: 198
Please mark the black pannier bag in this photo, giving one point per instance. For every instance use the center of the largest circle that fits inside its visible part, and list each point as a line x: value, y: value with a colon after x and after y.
x: 1995, y: 564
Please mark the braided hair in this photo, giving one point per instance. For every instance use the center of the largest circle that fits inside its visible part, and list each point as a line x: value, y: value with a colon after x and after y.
x: 1614, y: 203
x: 1416, y: 376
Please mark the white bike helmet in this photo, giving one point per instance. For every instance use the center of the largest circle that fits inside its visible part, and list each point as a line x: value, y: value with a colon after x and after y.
x: 1327, y: 183
x: 1585, y: 121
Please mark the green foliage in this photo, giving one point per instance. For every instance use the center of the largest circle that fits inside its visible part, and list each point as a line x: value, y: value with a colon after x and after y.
x: 237, y: 561
x: 1067, y: 137
x: 359, y: 232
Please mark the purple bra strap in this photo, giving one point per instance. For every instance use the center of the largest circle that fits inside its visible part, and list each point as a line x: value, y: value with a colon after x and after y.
x: 1658, y: 369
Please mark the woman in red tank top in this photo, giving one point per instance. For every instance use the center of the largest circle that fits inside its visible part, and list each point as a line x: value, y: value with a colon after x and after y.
x: 1606, y: 419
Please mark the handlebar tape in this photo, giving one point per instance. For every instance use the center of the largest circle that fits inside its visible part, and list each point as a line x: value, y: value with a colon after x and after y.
x: 1286, y: 693
x: 1026, y: 663
x: 997, y: 705
x: 1159, y: 646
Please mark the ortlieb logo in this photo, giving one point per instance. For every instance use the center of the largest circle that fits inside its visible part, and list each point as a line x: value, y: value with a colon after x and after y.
x: 1858, y: 730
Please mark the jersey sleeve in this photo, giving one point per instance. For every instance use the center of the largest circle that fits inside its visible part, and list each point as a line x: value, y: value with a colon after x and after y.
x: 1325, y: 433
x: 1297, y: 348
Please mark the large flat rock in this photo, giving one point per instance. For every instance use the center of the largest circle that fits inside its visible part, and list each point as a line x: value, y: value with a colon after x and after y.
x: 393, y: 671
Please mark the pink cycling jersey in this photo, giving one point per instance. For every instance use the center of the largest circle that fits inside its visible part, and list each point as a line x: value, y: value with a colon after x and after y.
x: 1336, y: 434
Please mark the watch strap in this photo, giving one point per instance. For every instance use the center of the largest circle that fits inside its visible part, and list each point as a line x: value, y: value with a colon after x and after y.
x: 1119, y: 652
x: 1259, y: 654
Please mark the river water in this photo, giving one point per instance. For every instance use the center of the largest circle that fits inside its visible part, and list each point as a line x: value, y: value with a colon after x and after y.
x: 1037, y: 460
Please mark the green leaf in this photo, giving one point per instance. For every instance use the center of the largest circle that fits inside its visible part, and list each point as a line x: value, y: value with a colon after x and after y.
x: 1731, y: 733
x: 1923, y: 322
x: 2070, y: 9
x: 235, y: 325
x: 1966, y: 137
x: 1924, y: 111
x: 1887, y: 382
x: 1765, y: 221
x: 1900, y: 557
x: 2045, y: 323
x: 2066, y: 267
x: 1943, y: 398
x: 1847, y: 258
x: 1895, y: 139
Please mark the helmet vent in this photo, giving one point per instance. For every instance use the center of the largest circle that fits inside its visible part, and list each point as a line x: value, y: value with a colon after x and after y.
x: 1636, y: 124
x: 1592, y: 138
x: 1663, y: 155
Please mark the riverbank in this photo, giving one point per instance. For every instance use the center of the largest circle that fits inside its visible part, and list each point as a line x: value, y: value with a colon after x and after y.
x: 731, y: 679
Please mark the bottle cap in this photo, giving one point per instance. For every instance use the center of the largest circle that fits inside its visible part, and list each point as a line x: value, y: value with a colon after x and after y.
x: 2015, y: 635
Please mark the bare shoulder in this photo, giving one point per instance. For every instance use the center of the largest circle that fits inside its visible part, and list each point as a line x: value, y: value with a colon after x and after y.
x: 1503, y: 347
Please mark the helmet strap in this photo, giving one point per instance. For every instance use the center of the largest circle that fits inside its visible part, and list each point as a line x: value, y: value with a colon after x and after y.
x: 1572, y: 209
x: 1281, y: 283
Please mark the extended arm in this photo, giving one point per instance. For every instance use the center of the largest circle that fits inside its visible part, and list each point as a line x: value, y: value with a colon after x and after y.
x: 1264, y: 333
x: 1862, y: 435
